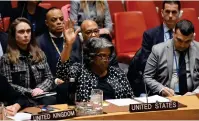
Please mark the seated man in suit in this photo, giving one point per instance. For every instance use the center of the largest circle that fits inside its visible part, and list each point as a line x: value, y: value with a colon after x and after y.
x: 172, y: 66
x: 170, y: 14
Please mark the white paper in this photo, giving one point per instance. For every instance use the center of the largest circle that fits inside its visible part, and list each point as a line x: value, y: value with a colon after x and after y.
x: 122, y: 102
x: 153, y: 99
x: 21, y: 116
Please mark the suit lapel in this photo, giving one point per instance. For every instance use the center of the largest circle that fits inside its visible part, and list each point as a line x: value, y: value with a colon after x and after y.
x: 160, y: 35
x: 169, y: 55
x: 192, y: 55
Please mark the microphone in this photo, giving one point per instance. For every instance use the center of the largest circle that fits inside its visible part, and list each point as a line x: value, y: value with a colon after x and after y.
x: 152, y: 106
x: 145, y: 88
x: 23, y: 9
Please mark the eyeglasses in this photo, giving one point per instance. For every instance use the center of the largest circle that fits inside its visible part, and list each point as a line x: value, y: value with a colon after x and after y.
x: 90, y: 32
x: 103, y: 56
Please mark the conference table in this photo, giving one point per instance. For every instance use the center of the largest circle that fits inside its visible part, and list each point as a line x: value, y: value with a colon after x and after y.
x: 190, y: 112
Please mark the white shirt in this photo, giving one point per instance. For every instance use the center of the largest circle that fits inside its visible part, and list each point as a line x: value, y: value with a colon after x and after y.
x: 166, y: 33
x: 1, y: 50
x: 174, y: 75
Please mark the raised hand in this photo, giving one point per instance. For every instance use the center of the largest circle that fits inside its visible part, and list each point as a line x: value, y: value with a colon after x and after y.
x: 69, y: 33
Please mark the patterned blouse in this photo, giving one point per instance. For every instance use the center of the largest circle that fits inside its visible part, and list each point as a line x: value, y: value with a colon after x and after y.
x: 87, y: 80
x: 19, y: 74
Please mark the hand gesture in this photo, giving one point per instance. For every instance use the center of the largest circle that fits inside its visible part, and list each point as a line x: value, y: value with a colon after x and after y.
x: 69, y: 33
x: 167, y: 92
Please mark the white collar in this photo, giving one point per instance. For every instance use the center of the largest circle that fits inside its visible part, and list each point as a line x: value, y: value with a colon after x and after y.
x: 53, y: 36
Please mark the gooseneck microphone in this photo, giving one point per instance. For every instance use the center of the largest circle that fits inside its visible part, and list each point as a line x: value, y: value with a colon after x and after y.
x: 145, y: 87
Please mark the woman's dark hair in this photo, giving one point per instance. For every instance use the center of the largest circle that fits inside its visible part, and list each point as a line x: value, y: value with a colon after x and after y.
x: 91, y: 46
x: 12, y: 48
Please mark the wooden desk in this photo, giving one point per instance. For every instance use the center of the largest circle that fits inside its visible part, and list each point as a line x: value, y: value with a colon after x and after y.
x: 191, y: 112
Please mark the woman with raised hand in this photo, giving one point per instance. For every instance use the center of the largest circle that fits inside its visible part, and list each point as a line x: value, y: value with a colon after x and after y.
x: 95, y: 72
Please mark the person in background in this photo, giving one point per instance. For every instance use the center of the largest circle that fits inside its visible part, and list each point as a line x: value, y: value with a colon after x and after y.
x: 95, y: 72
x: 89, y: 29
x: 33, y: 12
x: 97, y: 11
x: 24, y: 64
x: 170, y: 14
x: 3, y: 42
x: 172, y: 67
x: 52, y: 42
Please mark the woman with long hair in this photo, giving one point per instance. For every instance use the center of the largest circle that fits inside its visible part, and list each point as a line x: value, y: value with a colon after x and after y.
x: 24, y: 64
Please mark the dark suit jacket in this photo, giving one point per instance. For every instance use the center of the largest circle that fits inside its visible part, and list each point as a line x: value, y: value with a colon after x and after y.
x: 5, y: 8
x: 3, y: 40
x: 151, y: 37
x: 38, y: 17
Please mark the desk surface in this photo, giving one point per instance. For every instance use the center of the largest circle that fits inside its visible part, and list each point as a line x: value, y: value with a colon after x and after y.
x: 186, y: 113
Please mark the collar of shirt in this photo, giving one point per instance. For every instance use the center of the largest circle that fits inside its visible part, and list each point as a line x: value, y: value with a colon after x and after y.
x: 166, y: 29
x: 53, y: 36
x: 1, y: 50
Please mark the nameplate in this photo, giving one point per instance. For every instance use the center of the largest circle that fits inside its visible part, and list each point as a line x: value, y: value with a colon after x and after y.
x: 153, y: 106
x: 54, y: 115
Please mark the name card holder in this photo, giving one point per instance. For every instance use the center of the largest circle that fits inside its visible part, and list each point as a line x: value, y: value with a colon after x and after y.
x: 173, y: 105
x: 54, y: 115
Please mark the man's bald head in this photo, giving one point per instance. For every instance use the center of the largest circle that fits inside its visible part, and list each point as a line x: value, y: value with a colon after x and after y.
x: 89, y: 28
x: 55, y: 21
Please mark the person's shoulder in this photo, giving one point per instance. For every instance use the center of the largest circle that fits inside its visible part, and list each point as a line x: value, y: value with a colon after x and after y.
x: 43, y: 38
x: 195, y: 43
x: 4, y: 58
x: 75, y: 1
x: 115, y: 70
x: 154, y: 30
x: 161, y: 46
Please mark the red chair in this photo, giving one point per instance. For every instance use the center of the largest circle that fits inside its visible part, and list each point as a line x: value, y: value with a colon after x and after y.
x: 114, y: 7
x: 190, y: 14
x: 191, y: 4
x: 45, y: 5
x: 66, y: 11
x: 6, y: 23
x: 129, y: 28
x: 149, y: 11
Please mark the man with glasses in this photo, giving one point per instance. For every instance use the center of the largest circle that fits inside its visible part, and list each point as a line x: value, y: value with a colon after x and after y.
x: 170, y: 14
x: 89, y: 29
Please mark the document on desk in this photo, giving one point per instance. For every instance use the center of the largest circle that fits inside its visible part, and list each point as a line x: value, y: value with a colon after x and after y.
x: 20, y: 116
x: 123, y: 102
x: 153, y: 99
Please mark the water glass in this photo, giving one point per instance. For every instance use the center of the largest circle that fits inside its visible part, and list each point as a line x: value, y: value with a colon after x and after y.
x: 92, y: 107
x: 2, y: 111
x: 96, y: 101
